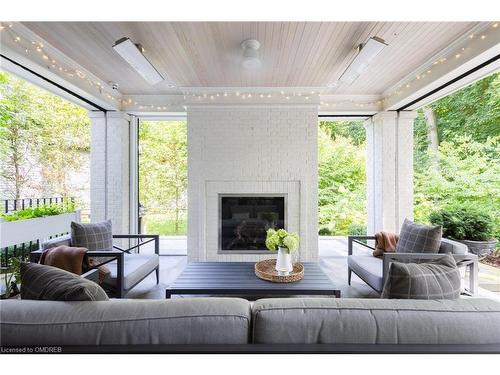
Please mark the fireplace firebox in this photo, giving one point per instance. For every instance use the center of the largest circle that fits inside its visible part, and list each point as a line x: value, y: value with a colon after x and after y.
x: 244, y: 220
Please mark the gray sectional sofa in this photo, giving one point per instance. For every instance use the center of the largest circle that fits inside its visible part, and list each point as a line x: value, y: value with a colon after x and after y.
x: 267, y: 325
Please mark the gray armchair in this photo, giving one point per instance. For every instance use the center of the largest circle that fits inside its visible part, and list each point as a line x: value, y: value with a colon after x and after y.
x: 128, y: 267
x: 373, y: 271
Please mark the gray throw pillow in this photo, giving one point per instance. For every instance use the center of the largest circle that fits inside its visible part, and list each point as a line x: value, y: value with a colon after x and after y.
x: 42, y: 282
x: 438, y: 279
x: 418, y: 238
x: 94, y: 237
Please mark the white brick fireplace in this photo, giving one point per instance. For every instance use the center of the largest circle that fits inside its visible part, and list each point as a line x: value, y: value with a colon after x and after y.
x: 251, y: 149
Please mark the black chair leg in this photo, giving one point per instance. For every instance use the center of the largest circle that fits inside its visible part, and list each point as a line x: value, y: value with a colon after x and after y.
x: 349, y: 273
x: 158, y: 275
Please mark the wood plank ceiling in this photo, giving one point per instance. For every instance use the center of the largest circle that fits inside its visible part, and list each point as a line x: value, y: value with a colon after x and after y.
x: 208, y: 54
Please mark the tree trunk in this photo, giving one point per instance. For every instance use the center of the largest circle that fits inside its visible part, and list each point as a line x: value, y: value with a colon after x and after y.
x: 432, y: 136
x: 16, y: 164
x: 176, y: 210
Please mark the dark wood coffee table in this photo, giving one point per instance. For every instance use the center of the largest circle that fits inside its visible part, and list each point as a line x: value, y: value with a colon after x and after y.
x: 238, y: 278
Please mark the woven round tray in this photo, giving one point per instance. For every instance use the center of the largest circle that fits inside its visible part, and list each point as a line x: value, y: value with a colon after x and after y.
x: 265, y: 269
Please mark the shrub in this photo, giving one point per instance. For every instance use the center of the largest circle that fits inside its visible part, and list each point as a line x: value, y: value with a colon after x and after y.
x: 40, y: 211
x: 325, y: 231
x: 357, y: 230
x: 464, y: 222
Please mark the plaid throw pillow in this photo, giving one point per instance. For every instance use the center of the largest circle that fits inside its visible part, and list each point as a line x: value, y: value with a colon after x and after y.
x: 439, y: 279
x: 418, y: 238
x: 42, y: 282
x: 94, y: 237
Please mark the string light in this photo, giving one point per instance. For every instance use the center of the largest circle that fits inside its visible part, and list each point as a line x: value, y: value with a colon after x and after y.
x: 441, y: 60
x: 306, y: 96
x: 34, y: 45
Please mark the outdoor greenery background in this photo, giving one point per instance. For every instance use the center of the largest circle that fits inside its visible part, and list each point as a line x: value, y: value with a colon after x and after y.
x: 163, y: 176
x: 44, y: 143
x: 463, y: 169
x: 45, y: 140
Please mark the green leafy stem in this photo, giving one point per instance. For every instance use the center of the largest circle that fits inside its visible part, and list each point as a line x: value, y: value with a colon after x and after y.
x: 40, y: 211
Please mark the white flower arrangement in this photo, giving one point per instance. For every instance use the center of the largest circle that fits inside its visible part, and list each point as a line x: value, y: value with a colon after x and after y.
x: 281, y: 238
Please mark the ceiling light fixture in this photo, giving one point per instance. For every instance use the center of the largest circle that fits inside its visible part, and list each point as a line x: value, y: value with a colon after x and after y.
x: 251, y: 58
x: 134, y: 55
x: 366, y: 53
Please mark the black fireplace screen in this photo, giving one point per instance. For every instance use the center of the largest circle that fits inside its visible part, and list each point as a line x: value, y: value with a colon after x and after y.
x: 244, y: 220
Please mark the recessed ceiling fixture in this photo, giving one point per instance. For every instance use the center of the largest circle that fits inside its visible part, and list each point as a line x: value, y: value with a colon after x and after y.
x: 251, y: 58
x: 134, y: 55
x: 366, y: 53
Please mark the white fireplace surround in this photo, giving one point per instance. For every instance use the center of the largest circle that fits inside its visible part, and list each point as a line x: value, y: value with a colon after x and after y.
x: 291, y: 189
x: 245, y: 150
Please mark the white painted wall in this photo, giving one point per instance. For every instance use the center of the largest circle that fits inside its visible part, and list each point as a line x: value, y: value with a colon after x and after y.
x: 251, y: 149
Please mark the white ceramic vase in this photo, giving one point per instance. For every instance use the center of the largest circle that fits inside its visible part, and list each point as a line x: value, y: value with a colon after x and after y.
x: 284, y: 262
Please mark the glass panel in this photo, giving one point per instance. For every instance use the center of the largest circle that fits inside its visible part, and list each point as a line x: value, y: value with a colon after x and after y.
x: 163, y: 178
x: 244, y: 220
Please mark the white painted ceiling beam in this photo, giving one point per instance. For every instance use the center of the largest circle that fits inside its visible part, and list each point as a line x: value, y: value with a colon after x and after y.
x: 350, y: 104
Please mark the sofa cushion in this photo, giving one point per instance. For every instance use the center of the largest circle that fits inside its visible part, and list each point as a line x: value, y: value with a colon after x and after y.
x: 375, y: 321
x: 42, y: 282
x: 418, y: 238
x: 125, y: 322
x: 437, y: 279
x: 136, y: 266
x: 368, y: 268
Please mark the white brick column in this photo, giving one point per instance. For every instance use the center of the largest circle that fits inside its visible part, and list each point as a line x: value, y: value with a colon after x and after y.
x: 109, y: 169
x: 389, y: 145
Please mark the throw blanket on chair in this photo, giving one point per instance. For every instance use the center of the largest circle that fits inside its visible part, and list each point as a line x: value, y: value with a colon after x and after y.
x: 72, y: 259
x: 385, y: 242
x: 67, y: 258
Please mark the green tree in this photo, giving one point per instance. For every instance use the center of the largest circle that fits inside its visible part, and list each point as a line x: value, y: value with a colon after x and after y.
x: 342, y: 179
x: 64, y: 141
x: 468, y: 157
x: 40, y: 133
x: 163, y: 168
x: 473, y: 110
x: 469, y: 173
x: 353, y: 130
x: 19, y: 128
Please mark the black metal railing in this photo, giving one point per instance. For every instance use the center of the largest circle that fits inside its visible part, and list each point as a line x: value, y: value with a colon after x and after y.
x: 11, y: 205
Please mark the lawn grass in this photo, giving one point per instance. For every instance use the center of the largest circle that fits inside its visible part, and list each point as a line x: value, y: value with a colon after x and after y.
x: 164, y: 227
